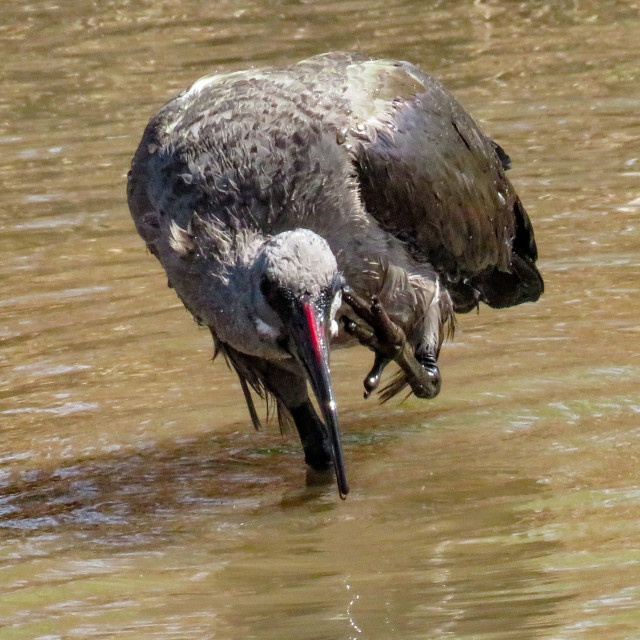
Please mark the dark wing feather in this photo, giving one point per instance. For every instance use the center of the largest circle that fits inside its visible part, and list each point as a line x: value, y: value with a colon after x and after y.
x: 431, y: 178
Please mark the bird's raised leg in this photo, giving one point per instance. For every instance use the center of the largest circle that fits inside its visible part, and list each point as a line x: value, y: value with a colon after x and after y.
x: 389, y: 342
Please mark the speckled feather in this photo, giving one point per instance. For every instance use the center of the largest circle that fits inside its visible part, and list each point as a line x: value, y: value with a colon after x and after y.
x: 374, y: 156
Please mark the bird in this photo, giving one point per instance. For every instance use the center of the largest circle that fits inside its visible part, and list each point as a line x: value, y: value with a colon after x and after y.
x: 337, y: 201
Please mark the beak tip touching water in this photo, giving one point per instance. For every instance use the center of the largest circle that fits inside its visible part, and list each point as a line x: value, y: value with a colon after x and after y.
x: 331, y: 418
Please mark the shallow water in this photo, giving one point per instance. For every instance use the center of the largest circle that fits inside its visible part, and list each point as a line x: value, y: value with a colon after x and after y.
x: 135, y: 498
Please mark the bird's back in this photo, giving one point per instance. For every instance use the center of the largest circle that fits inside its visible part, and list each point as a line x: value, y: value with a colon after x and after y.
x: 252, y: 150
x: 352, y: 149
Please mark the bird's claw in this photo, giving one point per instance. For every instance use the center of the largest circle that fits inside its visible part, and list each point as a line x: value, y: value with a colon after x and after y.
x: 389, y: 342
x: 382, y: 335
x: 372, y: 380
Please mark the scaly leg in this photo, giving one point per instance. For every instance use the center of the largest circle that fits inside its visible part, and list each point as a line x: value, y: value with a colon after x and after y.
x: 389, y: 342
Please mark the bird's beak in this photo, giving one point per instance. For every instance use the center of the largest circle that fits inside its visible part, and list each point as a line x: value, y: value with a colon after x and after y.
x: 313, y: 350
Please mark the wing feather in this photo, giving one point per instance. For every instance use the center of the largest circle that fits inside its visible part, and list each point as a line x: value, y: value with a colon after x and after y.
x: 433, y: 179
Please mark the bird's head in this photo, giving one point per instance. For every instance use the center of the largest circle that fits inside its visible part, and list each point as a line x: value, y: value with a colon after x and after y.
x: 297, y: 293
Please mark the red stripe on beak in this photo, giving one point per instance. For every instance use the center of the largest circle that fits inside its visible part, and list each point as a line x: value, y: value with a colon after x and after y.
x: 316, y: 335
x: 314, y: 351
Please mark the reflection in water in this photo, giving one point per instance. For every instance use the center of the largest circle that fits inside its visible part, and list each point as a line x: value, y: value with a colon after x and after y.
x: 135, y: 498
x: 454, y: 551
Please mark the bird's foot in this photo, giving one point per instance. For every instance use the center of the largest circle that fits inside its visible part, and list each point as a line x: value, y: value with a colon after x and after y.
x: 389, y: 342
x: 367, y: 338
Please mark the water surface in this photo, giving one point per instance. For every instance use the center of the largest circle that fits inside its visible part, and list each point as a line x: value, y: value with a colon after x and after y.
x: 136, y: 501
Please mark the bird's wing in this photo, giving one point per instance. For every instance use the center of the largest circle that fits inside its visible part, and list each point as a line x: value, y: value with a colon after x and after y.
x: 430, y: 177
x: 156, y: 189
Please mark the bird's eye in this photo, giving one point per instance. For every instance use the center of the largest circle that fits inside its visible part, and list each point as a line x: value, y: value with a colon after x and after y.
x: 266, y: 287
x: 270, y: 291
x: 277, y: 298
x: 284, y: 343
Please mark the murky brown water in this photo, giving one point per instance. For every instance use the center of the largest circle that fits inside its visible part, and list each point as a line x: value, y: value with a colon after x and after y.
x: 135, y: 499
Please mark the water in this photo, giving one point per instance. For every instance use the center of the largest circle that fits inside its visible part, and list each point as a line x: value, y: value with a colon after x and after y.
x: 135, y: 498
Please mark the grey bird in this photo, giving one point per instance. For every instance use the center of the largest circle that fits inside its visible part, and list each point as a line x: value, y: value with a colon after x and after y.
x: 284, y: 201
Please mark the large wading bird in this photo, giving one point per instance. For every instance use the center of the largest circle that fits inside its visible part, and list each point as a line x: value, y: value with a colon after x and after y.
x: 283, y: 202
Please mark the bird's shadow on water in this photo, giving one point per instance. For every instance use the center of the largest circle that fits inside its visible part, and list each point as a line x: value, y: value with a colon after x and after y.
x: 120, y: 490
x: 239, y: 472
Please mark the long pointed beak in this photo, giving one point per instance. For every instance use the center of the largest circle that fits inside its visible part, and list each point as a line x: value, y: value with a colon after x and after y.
x: 314, y: 352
